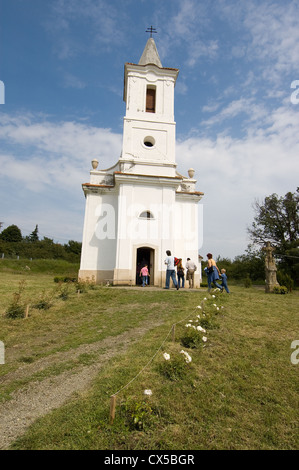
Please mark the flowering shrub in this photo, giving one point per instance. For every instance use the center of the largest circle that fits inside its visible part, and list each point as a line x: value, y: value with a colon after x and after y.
x: 173, y: 367
x: 187, y: 356
x: 191, y: 336
x: 208, y: 322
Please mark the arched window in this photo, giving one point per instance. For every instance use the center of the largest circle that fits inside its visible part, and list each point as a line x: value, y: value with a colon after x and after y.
x: 146, y: 215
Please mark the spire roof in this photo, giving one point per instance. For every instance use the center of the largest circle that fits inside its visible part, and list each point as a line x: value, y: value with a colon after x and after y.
x: 150, y: 54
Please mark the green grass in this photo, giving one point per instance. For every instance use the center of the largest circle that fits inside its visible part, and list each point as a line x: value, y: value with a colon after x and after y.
x: 239, y: 392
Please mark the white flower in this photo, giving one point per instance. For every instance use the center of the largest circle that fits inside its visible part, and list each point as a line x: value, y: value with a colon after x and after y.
x: 188, y: 358
x: 205, y: 298
x: 217, y: 308
x: 148, y: 392
x: 215, y: 305
x: 200, y: 328
x: 166, y: 356
x: 205, y: 339
x: 188, y: 324
x: 213, y: 296
x: 198, y: 306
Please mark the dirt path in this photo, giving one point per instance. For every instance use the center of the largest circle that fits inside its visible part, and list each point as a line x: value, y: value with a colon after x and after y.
x: 40, y: 397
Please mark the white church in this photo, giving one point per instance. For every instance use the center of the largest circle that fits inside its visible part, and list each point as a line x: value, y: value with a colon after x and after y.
x: 141, y: 206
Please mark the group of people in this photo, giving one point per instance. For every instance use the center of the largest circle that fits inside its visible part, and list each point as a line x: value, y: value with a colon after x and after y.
x: 170, y: 271
x: 212, y: 271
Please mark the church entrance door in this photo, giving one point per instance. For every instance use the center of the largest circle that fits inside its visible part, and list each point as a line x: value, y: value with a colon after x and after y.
x: 145, y: 256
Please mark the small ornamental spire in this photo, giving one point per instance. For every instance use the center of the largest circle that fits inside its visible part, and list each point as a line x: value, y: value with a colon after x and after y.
x: 151, y: 30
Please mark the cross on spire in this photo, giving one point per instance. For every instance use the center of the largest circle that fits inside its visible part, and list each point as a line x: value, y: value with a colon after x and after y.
x: 151, y: 30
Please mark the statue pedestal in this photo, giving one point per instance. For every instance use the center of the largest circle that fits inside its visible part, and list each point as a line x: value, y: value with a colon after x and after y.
x: 271, y: 280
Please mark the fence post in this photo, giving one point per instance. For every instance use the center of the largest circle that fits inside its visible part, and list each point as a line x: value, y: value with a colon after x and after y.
x: 27, y: 311
x: 173, y: 333
x: 112, y: 408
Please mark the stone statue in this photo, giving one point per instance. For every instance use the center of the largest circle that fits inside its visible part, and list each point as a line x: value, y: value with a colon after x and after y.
x: 270, y: 268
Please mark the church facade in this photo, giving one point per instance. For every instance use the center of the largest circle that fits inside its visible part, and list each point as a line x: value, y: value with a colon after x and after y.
x: 142, y: 206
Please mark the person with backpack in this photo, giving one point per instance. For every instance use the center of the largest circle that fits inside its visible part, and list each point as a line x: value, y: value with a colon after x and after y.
x: 170, y: 270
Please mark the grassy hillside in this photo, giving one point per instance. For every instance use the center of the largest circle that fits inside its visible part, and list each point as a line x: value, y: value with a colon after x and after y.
x: 240, y: 390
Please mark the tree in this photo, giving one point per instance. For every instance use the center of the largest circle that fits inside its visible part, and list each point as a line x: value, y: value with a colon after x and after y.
x: 277, y: 221
x: 33, y: 237
x: 73, y: 247
x: 11, y: 234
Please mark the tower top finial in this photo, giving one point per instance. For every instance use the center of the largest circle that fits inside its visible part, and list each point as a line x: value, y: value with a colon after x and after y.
x: 151, y: 30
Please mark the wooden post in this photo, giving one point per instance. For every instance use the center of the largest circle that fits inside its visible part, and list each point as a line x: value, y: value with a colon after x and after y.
x: 112, y: 408
x: 27, y: 311
x: 173, y: 333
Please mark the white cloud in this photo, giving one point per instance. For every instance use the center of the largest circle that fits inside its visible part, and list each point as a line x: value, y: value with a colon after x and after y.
x: 43, y: 153
x: 268, y: 36
x: 232, y: 172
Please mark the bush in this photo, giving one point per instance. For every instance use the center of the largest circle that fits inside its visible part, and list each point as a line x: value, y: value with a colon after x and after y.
x: 64, y: 292
x: 285, y: 280
x: 191, y: 338
x: 45, y: 301
x: 247, y: 282
x: 280, y: 290
x: 138, y: 415
x: 58, y: 279
x: 17, y: 308
x: 15, y: 311
x: 174, y: 367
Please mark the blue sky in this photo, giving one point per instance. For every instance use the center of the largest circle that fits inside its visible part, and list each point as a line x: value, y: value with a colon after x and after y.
x: 236, y: 104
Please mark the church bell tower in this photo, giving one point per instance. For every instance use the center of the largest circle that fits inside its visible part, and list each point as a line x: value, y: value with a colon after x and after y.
x: 149, y: 127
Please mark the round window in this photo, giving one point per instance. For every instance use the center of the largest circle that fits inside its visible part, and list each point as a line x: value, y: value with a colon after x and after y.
x: 149, y: 141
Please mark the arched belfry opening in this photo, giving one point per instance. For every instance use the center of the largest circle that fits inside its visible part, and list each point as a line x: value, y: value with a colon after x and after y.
x: 145, y: 256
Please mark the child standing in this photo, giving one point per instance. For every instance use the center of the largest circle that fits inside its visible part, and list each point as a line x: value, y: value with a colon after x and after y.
x: 224, y: 280
x: 145, y: 274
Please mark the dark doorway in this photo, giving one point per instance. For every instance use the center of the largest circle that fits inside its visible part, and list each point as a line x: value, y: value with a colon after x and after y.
x: 145, y: 256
